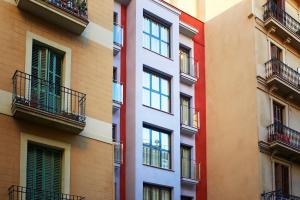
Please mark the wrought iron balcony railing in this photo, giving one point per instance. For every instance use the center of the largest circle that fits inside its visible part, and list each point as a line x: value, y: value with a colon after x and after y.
x: 118, y: 153
x: 45, y: 96
x: 77, y: 8
x: 117, y: 95
x: 190, y: 169
x: 23, y: 193
x: 278, y: 195
x: 283, y: 134
x: 287, y: 74
x: 189, y: 117
x: 188, y: 66
x: 272, y: 10
x: 118, y: 35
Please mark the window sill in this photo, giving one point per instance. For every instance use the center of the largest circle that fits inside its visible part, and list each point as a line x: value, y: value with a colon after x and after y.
x: 158, y: 54
x: 170, y: 170
x: 158, y: 110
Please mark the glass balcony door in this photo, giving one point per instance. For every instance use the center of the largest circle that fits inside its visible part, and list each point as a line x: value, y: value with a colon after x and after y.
x: 186, y: 167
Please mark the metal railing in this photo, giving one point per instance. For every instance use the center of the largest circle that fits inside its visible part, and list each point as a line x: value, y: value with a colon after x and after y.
x: 40, y: 94
x: 77, y: 8
x: 188, y: 65
x: 281, y: 133
x: 117, y: 89
x: 189, y: 116
x: 275, y: 67
x: 118, y: 35
x: 118, y: 153
x: 278, y: 195
x: 272, y: 10
x: 190, y: 169
x: 22, y: 193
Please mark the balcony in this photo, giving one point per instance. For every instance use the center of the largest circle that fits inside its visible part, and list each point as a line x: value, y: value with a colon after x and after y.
x: 188, y: 69
x: 40, y: 101
x: 118, y: 38
x: 284, y: 141
x: 189, y: 120
x: 118, y: 153
x: 278, y: 195
x: 282, y: 24
x: 68, y: 14
x: 20, y: 193
x: 283, y: 80
x: 117, y: 95
x: 190, y: 171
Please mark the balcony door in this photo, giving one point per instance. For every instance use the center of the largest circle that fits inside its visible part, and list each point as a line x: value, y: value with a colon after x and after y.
x: 184, y: 61
x: 44, y: 172
x: 282, y: 179
x: 46, y: 79
x: 186, y: 155
x: 185, y: 110
x: 278, y: 117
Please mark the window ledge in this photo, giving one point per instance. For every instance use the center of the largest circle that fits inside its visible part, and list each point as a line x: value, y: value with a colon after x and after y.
x: 170, y: 170
x: 158, y: 110
x: 157, y: 53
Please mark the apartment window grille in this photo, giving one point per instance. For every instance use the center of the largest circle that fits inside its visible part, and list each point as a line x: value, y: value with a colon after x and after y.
x: 156, y: 37
x: 151, y: 192
x: 156, y: 92
x: 156, y: 148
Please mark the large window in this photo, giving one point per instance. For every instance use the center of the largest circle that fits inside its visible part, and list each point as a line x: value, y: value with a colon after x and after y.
x: 156, y: 148
x: 156, y: 193
x: 156, y: 92
x: 156, y: 37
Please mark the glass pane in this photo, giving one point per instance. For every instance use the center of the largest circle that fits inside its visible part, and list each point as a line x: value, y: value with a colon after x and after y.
x: 146, y: 41
x: 155, y: 29
x: 154, y: 44
x: 185, y: 168
x: 155, y: 194
x: 146, y: 155
x: 165, y: 49
x: 164, y: 87
x: 146, y: 80
x: 165, y: 195
x: 155, y: 139
x: 155, y: 157
x: 147, y: 193
x: 146, y: 25
x: 165, y: 143
x: 165, y: 160
x: 146, y: 136
x: 155, y: 83
x: 146, y: 97
x: 164, y: 34
x: 184, y: 62
x: 155, y: 100
x: 165, y: 103
x: 185, y: 115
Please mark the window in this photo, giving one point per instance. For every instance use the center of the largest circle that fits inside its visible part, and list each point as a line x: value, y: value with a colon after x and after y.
x: 156, y: 92
x: 156, y: 37
x: 186, y: 155
x: 46, y: 78
x: 114, y: 132
x: 185, y: 110
x: 115, y: 18
x: 151, y: 192
x: 115, y: 74
x: 156, y: 148
x: 282, y: 178
x: 276, y: 52
x: 185, y: 61
x: 44, y: 166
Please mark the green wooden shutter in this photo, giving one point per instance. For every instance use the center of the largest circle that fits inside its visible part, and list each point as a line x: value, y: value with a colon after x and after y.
x: 43, y: 172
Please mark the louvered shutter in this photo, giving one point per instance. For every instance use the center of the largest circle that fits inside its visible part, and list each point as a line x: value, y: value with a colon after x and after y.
x: 43, y: 172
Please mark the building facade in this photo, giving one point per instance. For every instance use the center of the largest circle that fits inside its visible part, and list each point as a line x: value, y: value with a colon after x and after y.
x: 253, y: 99
x: 55, y: 100
x: 159, y: 105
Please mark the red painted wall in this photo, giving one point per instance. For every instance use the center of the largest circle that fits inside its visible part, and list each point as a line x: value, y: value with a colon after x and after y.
x: 200, y: 102
x: 123, y: 107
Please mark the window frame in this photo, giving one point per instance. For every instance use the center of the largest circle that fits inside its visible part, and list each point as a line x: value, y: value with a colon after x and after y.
x: 160, y: 188
x: 159, y: 148
x: 151, y: 90
x: 160, y: 24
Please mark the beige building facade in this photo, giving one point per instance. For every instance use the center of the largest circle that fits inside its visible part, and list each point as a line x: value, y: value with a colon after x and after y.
x: 253, y: 99
x: 56, y: 99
